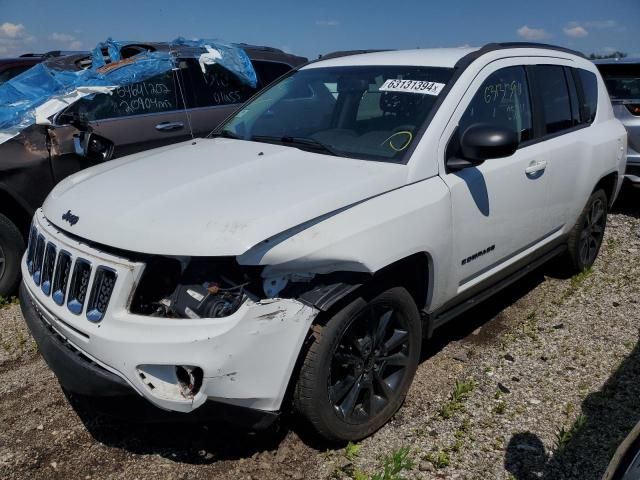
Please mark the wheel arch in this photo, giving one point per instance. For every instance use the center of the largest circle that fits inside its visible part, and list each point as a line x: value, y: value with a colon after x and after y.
x: 15, y: 210
x: 608, y: 183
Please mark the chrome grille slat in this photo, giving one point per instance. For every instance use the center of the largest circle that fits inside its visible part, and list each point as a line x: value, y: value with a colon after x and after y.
x: 61, y: 277
x: 38, y: 258
x: 69, y: 279
x: 79, y: 286
x: 103, y: 284
x: 47, y: 268
x: 31, y: 248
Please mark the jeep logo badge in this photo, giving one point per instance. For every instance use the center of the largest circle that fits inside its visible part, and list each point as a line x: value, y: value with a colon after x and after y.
x: 71, y: 218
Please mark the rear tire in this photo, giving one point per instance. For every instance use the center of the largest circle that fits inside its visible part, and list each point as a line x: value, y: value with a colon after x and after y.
x: 11, y: 250
x: 360, y: 365
x: 585, y: 239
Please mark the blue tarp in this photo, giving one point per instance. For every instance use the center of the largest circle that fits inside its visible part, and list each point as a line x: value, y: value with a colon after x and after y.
x: 23, y: 94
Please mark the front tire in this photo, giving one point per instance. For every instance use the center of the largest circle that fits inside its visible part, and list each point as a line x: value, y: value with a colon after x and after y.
x: 360, y: 365
x: 586, y: 236
x: 11, y: 250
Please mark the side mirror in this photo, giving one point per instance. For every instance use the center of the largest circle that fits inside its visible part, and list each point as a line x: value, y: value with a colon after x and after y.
x: 92, y: 146
x: 482, y: 142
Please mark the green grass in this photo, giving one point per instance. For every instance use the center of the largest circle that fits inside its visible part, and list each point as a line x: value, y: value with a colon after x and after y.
x: 574, y: 285
x: 394, y: 466
x: 460, y: 393
x: 500, y: 408
x: 439, y: 459
x: 351, y: 451
x: 564, y: 436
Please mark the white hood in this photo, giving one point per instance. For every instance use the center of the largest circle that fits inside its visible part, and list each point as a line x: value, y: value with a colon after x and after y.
x: 217, y: 197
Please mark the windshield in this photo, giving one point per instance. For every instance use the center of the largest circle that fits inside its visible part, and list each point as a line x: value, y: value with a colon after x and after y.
x: 369, y: 112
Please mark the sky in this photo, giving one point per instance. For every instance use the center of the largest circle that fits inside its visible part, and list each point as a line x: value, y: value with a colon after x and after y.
x: 313, y: 28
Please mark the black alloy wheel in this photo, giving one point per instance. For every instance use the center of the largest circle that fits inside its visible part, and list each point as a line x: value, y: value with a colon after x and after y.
x: 359, y: 365
x: 369, y: 365
x: 592, y: 232
x: 585, y: 238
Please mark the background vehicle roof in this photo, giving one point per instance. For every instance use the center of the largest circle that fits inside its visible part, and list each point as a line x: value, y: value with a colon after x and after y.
x: 617, y: 61
x: 82, y: 60
x: 19, y: 61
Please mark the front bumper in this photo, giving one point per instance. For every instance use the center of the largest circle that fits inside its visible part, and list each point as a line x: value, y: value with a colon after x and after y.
x: 112, y: 395
x: 247, y: 358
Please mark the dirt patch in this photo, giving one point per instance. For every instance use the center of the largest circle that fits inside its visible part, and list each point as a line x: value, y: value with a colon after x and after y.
x: 547, y: 375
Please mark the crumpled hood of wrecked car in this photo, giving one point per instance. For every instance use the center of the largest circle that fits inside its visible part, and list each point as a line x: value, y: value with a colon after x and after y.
x: 217, y: 197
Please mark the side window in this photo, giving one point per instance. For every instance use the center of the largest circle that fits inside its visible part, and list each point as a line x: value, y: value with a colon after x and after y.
x: 502, y: 100
x: 155, y: 95
x: 573, y: 96
x: 267, y: 72
x: 589, y: 85
x: 554, y: 95
x: 216, y: 87
x: 9, y: 73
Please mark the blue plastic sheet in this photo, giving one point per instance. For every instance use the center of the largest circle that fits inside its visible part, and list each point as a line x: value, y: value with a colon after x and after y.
x: 21, y: 96
x: 228, y: 56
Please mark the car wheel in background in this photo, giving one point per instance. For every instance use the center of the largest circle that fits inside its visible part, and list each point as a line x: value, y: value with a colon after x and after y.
x: 11, y: 250
x: 360, y: 365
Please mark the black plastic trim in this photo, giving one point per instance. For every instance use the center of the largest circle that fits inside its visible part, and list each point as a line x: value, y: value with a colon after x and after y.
x: 491, y: 286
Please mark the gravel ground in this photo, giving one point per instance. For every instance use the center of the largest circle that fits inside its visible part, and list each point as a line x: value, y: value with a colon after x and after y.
x: 542, y: 381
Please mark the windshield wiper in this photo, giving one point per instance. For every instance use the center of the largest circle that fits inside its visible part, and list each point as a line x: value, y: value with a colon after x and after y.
x: 297, y: 141
x: 226, y: 134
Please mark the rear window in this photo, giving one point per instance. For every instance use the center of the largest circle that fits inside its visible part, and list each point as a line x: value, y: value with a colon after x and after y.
x: 622, y: 81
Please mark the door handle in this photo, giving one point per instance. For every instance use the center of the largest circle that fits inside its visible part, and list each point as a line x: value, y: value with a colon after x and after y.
x: 535, y: 167
x: 169, y: 126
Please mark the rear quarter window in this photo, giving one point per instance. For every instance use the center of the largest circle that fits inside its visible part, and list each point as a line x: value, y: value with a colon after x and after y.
x: 589, y: 103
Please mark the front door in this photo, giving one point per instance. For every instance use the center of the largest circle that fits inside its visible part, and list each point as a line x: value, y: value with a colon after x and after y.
x: 498, y: 206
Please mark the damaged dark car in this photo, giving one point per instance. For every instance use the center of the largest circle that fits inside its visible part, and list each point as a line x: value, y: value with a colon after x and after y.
x: 187, y: 101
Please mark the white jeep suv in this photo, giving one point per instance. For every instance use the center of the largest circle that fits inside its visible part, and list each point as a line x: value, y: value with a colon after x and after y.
x: 299, y: 255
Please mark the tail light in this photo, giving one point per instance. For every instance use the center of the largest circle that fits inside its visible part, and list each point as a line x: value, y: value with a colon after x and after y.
x: 634, y: 108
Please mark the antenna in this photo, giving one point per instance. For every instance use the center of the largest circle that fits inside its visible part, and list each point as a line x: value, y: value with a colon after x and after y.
x: 184, y: 100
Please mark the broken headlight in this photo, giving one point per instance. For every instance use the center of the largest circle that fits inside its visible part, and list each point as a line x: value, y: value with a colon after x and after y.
x: 200, y: 287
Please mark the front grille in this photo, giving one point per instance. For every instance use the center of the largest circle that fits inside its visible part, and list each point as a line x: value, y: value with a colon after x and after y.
x: 68, y: 278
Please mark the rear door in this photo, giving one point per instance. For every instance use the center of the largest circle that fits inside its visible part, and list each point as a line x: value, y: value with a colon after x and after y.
x: 213, y: 95
x: 497, y: 207
x: 567, y: 105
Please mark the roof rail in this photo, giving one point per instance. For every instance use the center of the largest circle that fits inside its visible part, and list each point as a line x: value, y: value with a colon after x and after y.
x: 491, y: 47
x: 346, y: 53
